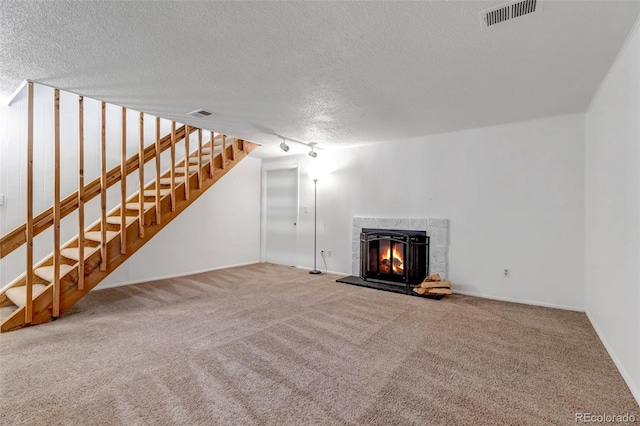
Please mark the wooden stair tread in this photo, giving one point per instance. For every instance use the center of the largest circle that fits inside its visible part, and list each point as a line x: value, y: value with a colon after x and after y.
x: 96, y: 235
x: 167, y: 181
x: 216, y: 149
x: 73, y: 253
x: 46, y: 272
x: 136, y: 206
x: 192, y: 169
x: 18, y: 295
x: 115, y: 220
x: 194, y: 160
x: 152, y: 192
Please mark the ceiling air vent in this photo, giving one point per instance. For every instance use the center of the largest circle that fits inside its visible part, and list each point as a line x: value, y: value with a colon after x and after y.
x: 200, y: 113
x: 508, y: 11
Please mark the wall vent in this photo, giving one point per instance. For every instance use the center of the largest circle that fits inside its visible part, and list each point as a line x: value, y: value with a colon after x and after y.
x: 200, y: 113
x: 510, y: 10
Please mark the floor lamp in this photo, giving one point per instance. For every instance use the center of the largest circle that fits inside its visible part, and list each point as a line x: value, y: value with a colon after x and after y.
x: 315, y: 223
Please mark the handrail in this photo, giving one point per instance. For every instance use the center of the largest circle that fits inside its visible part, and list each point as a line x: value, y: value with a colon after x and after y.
x: 44, y: 220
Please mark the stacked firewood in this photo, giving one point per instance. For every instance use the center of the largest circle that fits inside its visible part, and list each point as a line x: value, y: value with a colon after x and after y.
x: 433, y: 285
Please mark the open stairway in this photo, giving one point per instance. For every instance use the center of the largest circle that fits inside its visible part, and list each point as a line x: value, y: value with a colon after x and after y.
x: 54, y: 285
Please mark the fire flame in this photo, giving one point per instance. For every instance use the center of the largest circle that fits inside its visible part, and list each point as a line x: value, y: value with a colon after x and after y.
x: 398, y: 260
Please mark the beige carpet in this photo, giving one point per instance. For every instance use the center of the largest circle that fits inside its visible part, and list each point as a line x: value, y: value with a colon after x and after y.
x: 271, y: 345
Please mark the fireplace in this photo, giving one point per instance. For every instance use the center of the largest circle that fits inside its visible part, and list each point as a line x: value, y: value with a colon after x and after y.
x: 394, y: 256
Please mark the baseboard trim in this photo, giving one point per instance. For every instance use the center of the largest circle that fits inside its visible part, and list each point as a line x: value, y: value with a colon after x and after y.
x: 521, y: 301
x: 322, y: 270
x: 186, y: 274
x: 633, y: 387
x: 484, y: 296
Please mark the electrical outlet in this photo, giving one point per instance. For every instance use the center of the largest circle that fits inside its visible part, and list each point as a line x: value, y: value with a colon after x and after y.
x: 306, y: 209
x: 329, y: 252
x: 506, y: 273
x: 1, y: 199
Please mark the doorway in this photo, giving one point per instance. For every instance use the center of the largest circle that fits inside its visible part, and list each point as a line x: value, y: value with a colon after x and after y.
x: 280, y: 216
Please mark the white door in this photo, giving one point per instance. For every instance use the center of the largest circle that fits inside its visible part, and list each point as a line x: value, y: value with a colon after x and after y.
x: 281, y: 216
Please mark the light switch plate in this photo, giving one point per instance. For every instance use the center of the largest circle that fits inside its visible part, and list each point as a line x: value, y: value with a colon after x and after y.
x: 1, y: 199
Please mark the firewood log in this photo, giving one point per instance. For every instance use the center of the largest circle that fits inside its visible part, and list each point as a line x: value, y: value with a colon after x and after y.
x: 439, y: 291
x: 435, y: 291
x: 431, y: 278
x: 436, y: 284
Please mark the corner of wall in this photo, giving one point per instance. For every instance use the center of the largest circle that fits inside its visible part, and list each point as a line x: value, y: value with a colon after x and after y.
x: 633, y: 386
x: 612, y: 206
x: 612, y: 67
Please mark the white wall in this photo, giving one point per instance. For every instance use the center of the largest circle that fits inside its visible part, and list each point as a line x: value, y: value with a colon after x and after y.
x: 612, y: 289
x: 220, y: 229
x: 514, y: 194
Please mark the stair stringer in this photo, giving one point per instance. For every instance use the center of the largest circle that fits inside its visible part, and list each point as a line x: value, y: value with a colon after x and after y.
x: 69, y: 292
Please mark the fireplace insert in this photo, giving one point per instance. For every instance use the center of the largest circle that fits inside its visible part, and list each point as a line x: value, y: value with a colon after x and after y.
x: 394, y: 256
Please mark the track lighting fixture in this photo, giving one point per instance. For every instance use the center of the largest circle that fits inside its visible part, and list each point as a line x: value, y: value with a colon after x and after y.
x: 285, y: 147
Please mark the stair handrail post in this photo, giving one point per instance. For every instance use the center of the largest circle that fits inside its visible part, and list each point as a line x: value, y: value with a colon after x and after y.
x: 211, y: 156
x: 141, y: 176
x: 199, y: 158
x: 56, y: 203
x: 173, y: 166
x: 28, y: 309
x: 123, y: 182
x: 103, y: 186
x: 81, y: 241
x: 234, y: 144
x: 187, y: 174
x: 158, y: 171
x: 224, y: 151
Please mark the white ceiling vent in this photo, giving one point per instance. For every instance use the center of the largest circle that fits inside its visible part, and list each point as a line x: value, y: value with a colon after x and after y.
x: 200, y: 113
x: 510, y: 10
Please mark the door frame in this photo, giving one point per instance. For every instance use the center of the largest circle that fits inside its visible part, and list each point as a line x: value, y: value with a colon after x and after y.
x: 263, y: 207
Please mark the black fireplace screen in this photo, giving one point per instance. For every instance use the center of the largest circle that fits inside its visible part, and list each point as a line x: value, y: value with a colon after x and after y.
x: 394, y: 256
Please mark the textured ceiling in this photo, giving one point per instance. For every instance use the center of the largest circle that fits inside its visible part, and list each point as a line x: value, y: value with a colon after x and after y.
x: 337, y: 73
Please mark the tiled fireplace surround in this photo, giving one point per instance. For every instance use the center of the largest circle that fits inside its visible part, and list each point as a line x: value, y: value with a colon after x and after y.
x: 437, y: 230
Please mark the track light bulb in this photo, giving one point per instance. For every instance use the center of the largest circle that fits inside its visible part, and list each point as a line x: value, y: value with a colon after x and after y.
x: 312, y: 153
x: 284, y: 146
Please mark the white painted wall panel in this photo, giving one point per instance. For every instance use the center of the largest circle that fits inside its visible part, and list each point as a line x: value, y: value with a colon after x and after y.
x: 221, y: 228
x: 514, y: 195
x: 612, y: 289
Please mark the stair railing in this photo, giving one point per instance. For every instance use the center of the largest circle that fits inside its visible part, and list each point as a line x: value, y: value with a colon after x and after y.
x: 25, y: 233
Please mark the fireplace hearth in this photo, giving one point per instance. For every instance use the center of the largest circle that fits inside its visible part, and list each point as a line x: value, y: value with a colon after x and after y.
x: 399, y: 270
x: 394, y: 256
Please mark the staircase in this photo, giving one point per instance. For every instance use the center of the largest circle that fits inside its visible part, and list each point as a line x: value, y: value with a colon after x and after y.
x: 49, y: 289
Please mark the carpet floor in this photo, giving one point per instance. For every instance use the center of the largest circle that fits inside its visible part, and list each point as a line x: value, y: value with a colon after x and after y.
x: 272, y: 345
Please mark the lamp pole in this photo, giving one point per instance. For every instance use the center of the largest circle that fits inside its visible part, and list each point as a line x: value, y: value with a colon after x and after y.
x: 315, y: 227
